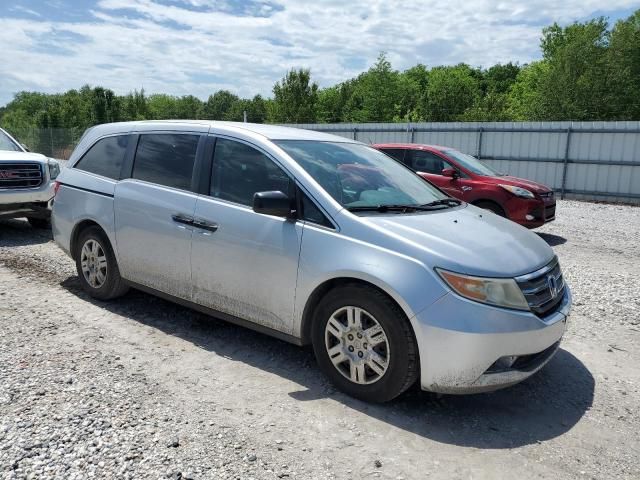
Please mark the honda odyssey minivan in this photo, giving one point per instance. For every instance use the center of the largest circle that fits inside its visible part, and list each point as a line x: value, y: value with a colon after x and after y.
x: 315, y: 239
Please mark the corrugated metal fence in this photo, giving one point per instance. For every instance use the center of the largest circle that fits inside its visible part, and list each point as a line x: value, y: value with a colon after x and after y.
x: 583, y: 160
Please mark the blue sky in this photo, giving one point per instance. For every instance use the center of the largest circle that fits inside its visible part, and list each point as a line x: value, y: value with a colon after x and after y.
x: 200, y: 46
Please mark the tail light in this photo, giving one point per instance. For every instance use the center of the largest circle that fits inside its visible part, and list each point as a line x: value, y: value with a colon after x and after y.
x: 56, y: 187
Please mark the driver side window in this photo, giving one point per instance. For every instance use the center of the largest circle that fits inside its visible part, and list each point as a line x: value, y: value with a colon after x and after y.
x: 239, y: 171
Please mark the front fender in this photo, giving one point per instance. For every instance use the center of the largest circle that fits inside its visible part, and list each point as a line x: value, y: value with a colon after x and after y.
x: 327, y: 255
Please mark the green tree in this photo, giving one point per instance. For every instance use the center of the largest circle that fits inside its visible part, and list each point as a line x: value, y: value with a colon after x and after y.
x: 576, y: 86
x: 161, y: 106
x: 188, y: 107
x: 525, y: 97
x: 330, y: 107
x: 381, y: 94
x: 257, y: 110
x: 499, y: 78
x: 623, y: 59
x: 418, y: 76
x: 294, y: 98
x: 134, y: 106
x: 450, y: 91
x: 218, y: 105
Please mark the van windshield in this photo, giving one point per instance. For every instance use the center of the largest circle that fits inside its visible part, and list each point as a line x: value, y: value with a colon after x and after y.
x: 359, y: 176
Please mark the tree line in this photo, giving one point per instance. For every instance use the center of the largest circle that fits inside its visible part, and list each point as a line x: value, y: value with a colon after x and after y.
x: 588, y: 71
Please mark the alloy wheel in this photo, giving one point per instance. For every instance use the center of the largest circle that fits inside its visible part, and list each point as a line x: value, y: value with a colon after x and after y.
x: 94, y: 263
x: 357, y: 345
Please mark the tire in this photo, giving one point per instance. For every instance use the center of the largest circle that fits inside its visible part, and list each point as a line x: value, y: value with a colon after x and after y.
x: 493, y: 207
x: 396, y: 344
x: 105, y: 283
x: 36, y: 222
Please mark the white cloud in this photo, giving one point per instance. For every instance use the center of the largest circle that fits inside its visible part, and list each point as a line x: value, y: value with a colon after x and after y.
x: 28, y: 11
x: 198, y: 46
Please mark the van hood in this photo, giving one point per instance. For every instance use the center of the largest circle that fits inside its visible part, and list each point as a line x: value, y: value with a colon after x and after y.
x: 466, y: 240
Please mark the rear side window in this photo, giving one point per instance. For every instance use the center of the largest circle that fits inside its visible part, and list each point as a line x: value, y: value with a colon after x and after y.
x: 427, y: 162
x: 239, y: 171
x: 166, y: 159
x: 105, y: 157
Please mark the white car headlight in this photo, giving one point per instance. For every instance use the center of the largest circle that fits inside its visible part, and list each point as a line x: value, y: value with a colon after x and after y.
x: 54, y: 169
x: 501, y: 292
x: 518, y: 192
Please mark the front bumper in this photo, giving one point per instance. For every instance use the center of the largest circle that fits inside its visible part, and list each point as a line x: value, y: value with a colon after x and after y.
x: 531, y: 213
x: 462, y: 344
x: 36, y: 202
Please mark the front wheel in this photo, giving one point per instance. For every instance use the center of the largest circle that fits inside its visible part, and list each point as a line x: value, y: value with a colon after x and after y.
x: 364, y: 343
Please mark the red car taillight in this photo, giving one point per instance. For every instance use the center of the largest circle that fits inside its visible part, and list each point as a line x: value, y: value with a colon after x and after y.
x: 56, y: 187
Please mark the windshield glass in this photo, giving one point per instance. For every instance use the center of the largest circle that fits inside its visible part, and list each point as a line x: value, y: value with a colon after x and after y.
x: 7, y: 144
x: 359, y: 176
x: 472, y: 163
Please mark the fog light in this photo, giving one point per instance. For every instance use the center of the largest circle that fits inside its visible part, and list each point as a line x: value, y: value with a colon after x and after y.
x: 530, y: 217
x: 503, y: 363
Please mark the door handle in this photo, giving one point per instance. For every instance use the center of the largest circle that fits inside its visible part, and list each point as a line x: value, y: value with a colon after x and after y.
x: 183, y: 219
x: 204, y: 225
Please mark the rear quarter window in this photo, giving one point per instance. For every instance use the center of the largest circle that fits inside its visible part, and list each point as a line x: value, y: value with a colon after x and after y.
x: 105, y: 157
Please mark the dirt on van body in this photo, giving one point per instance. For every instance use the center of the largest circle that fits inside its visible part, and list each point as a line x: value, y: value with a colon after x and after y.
x: 142, y: 388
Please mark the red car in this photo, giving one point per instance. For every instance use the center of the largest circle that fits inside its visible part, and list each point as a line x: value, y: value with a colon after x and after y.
x: 465, y: 177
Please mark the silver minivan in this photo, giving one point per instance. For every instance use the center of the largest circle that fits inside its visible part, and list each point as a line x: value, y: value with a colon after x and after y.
x: 314, y: 239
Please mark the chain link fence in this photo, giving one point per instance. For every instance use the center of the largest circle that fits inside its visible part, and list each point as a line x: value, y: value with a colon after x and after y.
x: 52, y: 142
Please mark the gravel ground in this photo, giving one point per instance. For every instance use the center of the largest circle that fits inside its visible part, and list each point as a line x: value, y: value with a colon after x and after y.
x: 141, y: 388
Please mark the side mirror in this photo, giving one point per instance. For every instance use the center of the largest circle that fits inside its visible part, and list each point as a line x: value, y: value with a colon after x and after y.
x: 274, y: 203
x: 26, y: 149
x: 450, y: 172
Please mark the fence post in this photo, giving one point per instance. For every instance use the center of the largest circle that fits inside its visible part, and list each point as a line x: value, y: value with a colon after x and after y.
x: 355, y: 133
x: 565, y: 163
x: 479, y: 155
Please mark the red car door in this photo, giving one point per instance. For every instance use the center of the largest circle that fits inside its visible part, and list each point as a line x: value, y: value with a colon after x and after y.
x: 430, y: 166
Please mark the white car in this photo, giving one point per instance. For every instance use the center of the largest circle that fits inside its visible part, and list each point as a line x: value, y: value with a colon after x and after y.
x: 26, y: 182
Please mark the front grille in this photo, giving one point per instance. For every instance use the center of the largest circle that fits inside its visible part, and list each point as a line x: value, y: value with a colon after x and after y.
x: 549, y: 211
x: 543, y: 289
x: 20, y: 175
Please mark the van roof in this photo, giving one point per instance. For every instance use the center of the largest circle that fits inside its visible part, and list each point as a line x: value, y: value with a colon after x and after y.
x: 271, y: 132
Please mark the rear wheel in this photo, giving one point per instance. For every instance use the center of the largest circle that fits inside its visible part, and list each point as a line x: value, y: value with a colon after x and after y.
x: 364, y: 343
x: 493, y: 207
x: 97, y: 267
x: 36, y: 222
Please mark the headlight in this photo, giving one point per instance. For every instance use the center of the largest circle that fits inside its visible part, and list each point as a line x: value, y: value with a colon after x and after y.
x: 518, y: 192
x: 501, y: 292
x: 54, y: 169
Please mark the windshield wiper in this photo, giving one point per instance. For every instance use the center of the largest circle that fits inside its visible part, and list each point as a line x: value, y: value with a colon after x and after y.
x: 381, y: 208
x: 393, y: 208
x: 448, y: 202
